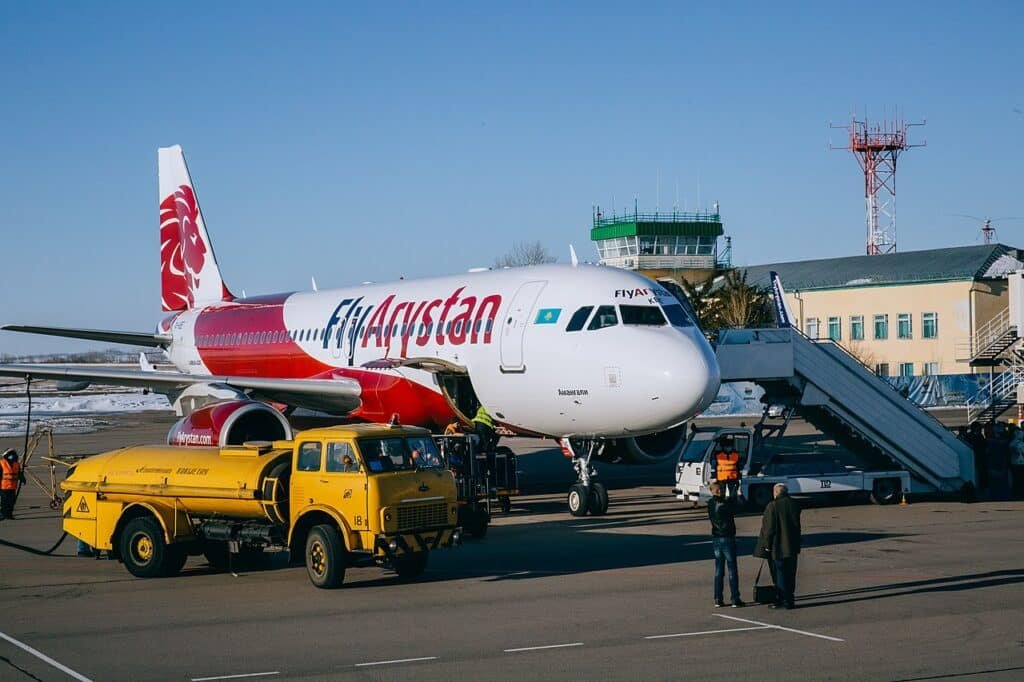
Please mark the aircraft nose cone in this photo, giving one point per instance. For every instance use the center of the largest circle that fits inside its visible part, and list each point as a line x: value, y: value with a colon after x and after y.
x: 686, y: 378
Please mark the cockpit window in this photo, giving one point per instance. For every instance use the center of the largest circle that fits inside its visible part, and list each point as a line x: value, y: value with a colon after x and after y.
x: 644, y: 315
x: 579, y: 318
x: 677, y: 316
x: 604, y: 317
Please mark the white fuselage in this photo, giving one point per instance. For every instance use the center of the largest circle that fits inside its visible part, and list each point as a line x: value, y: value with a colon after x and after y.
x: 621, y: 375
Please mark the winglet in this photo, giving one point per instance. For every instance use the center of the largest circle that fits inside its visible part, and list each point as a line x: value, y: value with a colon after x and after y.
x: 312, y: 279
x: 572, y: 256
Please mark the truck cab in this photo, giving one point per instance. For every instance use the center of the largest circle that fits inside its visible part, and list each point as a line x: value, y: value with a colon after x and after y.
x: 384, y: 487
x: 696, y: 467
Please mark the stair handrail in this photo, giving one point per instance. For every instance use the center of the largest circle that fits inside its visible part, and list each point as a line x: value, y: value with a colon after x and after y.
x: 999, y: 389
x: 870, y: 371
x: 990, y: 332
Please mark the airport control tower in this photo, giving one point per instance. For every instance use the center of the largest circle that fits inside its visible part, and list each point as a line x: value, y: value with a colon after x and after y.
x: 674, y: 245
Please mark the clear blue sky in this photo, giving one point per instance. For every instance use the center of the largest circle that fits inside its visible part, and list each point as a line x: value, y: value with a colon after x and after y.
x: 364, y: 144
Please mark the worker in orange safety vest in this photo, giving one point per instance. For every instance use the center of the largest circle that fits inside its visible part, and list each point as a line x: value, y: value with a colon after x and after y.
x: 727, y: 468
x: 13, y: 477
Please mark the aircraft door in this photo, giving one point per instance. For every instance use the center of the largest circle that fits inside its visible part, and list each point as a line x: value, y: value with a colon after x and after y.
x: 516, y: 320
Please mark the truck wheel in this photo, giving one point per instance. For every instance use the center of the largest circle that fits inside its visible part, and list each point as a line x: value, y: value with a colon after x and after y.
x: 477, y: 528
x: 760, y: 496
x: 144, y: 551
x: 598, y: 504
x: 411, y: 565
x: 325, y: 557
x: 177, y: 556
x: 885, y: 491
x: 578, y: 499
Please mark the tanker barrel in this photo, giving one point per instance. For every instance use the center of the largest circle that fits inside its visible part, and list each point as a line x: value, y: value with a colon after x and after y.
x: 158, y: 489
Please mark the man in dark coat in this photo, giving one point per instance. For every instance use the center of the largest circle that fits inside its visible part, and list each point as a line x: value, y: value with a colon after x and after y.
x: 722, y: 514
x: 780, y: 543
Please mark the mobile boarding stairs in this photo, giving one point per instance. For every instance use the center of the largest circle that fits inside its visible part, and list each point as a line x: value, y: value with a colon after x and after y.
x: 843, y: 399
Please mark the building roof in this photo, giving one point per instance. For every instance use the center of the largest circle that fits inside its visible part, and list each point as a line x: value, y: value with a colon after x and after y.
x: 988, y: 261
x: 657, y: 225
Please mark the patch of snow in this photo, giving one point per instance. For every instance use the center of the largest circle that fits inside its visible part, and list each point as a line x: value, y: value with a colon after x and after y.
x: 1003, y: 266
x: 92, y: 404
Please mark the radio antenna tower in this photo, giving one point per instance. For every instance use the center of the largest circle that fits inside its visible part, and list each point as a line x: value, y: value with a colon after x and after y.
x: 877, y: 146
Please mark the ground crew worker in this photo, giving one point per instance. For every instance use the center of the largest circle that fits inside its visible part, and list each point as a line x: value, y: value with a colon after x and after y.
x: 727, y: 468
x: 453, y: 427
x: 13, y: 477
x: 483, y: 424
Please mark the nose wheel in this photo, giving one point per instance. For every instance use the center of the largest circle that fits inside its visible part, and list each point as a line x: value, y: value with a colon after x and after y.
x: 586, y: 495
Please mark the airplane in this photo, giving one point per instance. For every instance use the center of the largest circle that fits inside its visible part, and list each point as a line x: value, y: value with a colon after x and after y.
x: 606, y: 361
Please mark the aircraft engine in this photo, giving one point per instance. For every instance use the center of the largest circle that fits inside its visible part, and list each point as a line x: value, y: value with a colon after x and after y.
x: 230, y: 422
x: 649, y: 449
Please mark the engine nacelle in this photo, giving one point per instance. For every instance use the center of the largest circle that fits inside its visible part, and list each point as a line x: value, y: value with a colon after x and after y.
x: 231, y: 422
x: 196, y: 396
x: 649, y: 449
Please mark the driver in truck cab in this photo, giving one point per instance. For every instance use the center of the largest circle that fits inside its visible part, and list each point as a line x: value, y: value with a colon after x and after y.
x: 727, y: 467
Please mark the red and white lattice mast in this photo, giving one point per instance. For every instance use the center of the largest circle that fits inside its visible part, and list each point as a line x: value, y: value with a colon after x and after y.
x: 877, y: 146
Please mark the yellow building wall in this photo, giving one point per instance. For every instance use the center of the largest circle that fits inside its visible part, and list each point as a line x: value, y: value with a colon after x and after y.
x: 961, y: 307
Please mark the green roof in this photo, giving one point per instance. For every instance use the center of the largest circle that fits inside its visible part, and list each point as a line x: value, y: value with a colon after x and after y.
x: 988, y: 261
x: 658, y: 225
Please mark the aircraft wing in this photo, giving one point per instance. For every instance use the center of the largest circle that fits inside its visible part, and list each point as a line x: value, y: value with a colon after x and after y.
x: 132, y: 338
x: 334, y: 395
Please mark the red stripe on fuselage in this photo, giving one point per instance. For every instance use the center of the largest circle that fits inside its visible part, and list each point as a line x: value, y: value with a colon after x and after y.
x: 275, y: 355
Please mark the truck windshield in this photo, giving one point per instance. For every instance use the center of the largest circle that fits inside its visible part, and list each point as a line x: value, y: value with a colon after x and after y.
x: 423, y: 452
x: 695, y: 448
x: 399, y: 454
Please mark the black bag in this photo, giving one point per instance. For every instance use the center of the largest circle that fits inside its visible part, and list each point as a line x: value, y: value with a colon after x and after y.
x: 764, y: 594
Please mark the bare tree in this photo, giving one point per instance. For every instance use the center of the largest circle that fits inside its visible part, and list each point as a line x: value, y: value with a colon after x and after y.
x: 525, y: 253
x: 860, y: 350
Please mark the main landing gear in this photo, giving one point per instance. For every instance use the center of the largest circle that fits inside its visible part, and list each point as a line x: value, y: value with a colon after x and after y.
x: 587, y: 494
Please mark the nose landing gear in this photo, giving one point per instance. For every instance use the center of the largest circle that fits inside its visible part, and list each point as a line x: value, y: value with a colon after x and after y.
x: 587, y: 494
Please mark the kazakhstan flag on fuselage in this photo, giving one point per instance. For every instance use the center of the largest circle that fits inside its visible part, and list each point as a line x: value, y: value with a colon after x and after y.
x: 547, y: 315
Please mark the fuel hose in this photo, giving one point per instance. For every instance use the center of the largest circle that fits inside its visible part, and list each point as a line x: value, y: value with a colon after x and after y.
x: 33, y: 550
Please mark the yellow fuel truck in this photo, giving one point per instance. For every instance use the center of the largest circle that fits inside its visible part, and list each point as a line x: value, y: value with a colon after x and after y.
x: 338, y: 496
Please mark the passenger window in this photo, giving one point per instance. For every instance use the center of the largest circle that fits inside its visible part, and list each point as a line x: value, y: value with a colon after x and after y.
x: 341, y: 458
x: 604, y: 317
x: 309, y: 457
x: 579, y: 318
x: 643, y: 315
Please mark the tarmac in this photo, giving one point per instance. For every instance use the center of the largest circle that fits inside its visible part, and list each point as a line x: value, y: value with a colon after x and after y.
x: 927, y: 591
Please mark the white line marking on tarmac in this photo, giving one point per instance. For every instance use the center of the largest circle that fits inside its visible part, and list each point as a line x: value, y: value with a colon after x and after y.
x: 706, y: 632
x: 538, y: 648
x: 234, y: 677
x: 779, y: 627
x: 397, y: 660
x: 43, y: 657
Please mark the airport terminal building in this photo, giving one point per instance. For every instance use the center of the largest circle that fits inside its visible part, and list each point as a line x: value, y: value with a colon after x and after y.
x: 902, y: 314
